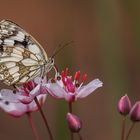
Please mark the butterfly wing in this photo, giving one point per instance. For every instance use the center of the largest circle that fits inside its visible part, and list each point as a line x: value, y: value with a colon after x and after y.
x: 12, y: 34
x: 21, y: 56
x: 18, y: 65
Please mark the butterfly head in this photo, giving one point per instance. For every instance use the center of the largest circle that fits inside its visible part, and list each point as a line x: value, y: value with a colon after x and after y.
x: 49, y: 64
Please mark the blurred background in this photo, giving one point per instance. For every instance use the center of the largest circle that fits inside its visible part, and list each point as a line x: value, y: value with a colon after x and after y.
x: 107, y: 46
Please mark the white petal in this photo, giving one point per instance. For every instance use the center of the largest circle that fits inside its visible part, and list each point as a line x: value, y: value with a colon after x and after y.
x: 39, y: 80
x: 33, y: 106
x: 56, y: 90
x: 25, y: 99
x: 14, y: 109
x: 8, y: 95
x: 89, y: 88
x: 35, y: 91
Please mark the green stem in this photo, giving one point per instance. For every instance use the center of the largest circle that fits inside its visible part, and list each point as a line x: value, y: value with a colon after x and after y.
x: 70, y: 110
x: 34, y: 131
x: 130, y: 130
x: 123, y: 128
x: 80, y: 137
x: 44, y: 119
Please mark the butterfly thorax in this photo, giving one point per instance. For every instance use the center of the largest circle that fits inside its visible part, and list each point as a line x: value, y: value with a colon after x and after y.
x: 49, y: 64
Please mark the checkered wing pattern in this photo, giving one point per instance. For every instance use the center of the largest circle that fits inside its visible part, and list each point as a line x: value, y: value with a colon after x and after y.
x: 21, y: 56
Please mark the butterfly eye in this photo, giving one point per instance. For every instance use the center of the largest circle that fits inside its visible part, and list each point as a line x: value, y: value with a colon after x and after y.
x: 52, y: 61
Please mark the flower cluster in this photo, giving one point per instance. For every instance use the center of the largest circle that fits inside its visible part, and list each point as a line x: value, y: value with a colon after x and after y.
x: 31, y: 96
x: 63, y: 86
x: 21, y: 101
x: 125, y: 108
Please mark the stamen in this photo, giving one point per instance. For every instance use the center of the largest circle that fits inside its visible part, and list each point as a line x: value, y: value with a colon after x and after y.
x: 63, y: 74
x: 27, y: 91
x: 29, y: 85
x: 84, y: 77
x: 53, y: 81
x: 64, y: 81
x: 58, y: 78
x: 77, y: 75
x: 63, y: 78
x: 66, y: 72
x: 77, y: 85
x: 70, y: 86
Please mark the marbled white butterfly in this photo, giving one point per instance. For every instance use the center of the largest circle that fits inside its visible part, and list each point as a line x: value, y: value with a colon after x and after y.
x: 21, y: 57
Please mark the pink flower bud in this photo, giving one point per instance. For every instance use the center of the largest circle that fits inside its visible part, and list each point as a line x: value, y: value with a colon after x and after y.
x: 135, y: 112
x: 124, y: 105
x: 74, y: 123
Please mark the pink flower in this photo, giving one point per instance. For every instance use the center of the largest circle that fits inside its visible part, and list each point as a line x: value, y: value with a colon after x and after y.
x: 28, y: 91
x: 17, y: 103
x: 64, y: 87
x: 124, y: 105
x: 74, y: 122
x: 135, y: 112
x: 10, y: 104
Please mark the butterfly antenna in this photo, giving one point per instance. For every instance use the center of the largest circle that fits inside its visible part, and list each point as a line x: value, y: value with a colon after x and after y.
x: 60, y: 47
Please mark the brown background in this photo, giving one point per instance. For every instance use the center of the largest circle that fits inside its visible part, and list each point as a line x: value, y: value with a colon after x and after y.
x: 107, y: 45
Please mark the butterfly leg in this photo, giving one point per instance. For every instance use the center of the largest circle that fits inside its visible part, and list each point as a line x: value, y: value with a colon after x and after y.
x: 42, y: 71
x: 55, y: 70
x: 15, y: 88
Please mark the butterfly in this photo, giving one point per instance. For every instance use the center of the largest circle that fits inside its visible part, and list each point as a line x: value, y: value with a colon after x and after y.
x: 22, y: 58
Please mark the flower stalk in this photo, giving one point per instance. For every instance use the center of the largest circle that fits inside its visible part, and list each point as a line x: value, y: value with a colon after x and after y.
x: 80, y: 137
x: 34, y: 131
x: 70, y: 110
x: 123, y: 128
x: 44, y: 119
x: 130, y: 130
x: 70, y: 107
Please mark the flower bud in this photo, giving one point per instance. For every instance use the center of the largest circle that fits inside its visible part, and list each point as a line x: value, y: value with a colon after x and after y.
x: 124, y: 105
x: 74, y: 123
x: 135, y: 112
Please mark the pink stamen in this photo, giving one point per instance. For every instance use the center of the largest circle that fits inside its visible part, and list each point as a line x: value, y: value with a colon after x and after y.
x: 69, y: 85
x: 63, y: 78
x: 63, y: 74
x: 29, y: 86
x: 53, y: 81
x: 77, y: 75
x: 66, y: 72
x: 84, y: 77
x: 25, y: 94
x: 64, y: 81
x: 26, y: 90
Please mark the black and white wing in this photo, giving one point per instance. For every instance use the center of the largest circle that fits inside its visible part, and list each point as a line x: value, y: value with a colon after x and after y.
x: 21, y: 56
